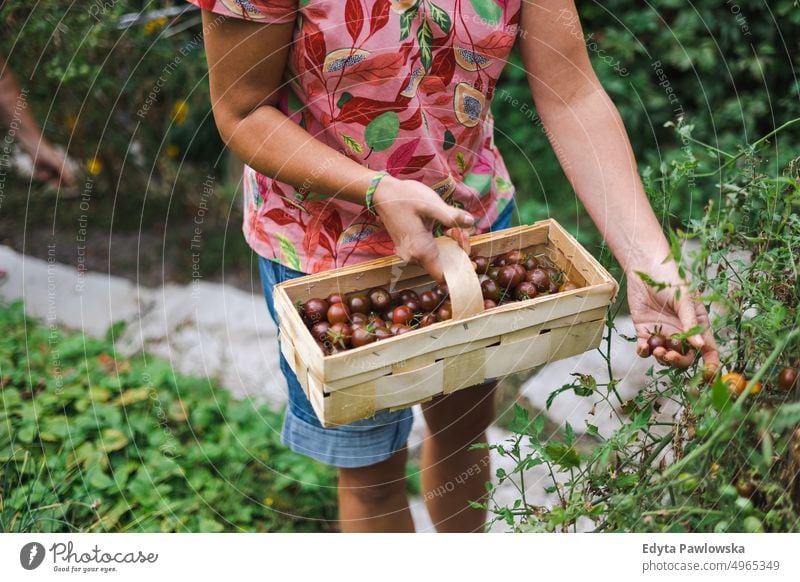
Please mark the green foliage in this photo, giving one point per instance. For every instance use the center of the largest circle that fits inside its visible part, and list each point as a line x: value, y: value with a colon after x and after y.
x: 722, y: 462
x: 727, y: 69
x: 132, y: 104
x: 91, y: 441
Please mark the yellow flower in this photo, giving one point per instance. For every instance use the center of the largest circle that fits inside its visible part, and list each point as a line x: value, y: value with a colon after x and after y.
x: 173, y: 150
x: 94, y: 166
x: 269, y: 501
x: 179, y: 111
x: 154, y: 25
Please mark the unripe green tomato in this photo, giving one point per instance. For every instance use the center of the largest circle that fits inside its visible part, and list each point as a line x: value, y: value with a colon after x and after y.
x: 721, y: 527
x: 744, y: 505
x: 752, y: 524
x: 728, y: 491
x: 688, y: 482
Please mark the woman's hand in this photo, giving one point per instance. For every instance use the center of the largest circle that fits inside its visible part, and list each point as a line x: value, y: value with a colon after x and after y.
x: 409, y: 211
x: 671, y: 310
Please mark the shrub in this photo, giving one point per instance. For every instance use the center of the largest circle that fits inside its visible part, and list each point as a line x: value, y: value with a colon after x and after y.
x: 91, y: 441
x: 722, y: 462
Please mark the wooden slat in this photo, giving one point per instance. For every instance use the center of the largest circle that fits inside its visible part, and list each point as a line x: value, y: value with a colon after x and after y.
x: 555, y: 344
x: 464, y: 370
x: 412, y: 386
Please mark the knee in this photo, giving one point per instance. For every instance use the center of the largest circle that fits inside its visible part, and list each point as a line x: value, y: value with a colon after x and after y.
x: 373, y: 495
x: 460, y: 431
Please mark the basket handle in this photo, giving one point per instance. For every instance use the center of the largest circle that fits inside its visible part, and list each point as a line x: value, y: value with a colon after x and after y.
x: 466, y: 296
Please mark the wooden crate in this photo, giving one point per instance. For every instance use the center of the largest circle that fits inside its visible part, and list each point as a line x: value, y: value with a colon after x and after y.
x: 469, y: 349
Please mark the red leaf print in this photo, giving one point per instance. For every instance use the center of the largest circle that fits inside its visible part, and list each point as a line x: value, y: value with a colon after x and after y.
x: 496, y: 45
x: 379, y: 16
x: 280, y: 217
x: 314, y: 45
x: 375, y: 69
x: 401, y: 156
x: 412, y: 122
x: 354, y: 17
x: 363, y: 110
x: 416, y: 163
x: 443, y: 65
x: 432, y: 84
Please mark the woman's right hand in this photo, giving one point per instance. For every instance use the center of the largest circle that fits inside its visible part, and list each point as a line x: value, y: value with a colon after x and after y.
x: 409, y: 211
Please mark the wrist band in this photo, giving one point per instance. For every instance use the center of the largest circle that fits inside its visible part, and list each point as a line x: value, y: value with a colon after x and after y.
x: 373, y: 185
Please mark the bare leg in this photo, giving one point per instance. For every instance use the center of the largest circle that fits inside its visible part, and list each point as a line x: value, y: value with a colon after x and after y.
x: 373, y: 499
x: 453, y: 475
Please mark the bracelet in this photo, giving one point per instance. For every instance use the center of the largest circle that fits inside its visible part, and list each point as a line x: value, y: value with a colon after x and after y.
x: 373, y: 185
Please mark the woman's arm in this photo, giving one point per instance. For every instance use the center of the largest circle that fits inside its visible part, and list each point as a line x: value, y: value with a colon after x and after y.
x: 592, y: 145
x: 246, y: 62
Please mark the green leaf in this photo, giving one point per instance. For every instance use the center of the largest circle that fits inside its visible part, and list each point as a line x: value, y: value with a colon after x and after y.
x: 449, y: 140
x: 425, y: 38
x: 354, y: 146
x: 406, y: 18
x: 720, y: 395
x: 440, y: 17
x: 566, y: 457
x: 112, y: 439
x: 480, y: 182
x: 343, y: 99
x: 488, y: 10
x: 521, y: 420
x: 382, y: 131
x: 99, y: 479
x: 288, y: 252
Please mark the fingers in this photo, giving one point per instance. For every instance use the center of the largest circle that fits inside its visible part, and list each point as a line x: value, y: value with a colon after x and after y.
x: 673, y: 358
x: 687, y: 313
x: 450, y: 216
x: 429, y: 259
x: 460, y: 236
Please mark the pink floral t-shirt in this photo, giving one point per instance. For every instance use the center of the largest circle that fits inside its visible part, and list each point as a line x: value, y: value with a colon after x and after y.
x: 397, y: 85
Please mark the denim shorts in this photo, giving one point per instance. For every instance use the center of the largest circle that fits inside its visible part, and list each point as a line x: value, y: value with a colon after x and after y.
x: 358, y: 444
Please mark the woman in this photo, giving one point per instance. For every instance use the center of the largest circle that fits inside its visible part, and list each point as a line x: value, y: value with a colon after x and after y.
x: 327, y: 101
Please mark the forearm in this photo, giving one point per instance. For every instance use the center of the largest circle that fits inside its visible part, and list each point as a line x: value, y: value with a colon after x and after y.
x: 14, y: 110
x: 277, y: 147
x: 592, y: 145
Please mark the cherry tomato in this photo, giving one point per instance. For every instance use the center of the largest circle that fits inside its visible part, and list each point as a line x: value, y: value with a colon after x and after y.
x: 358, y: 318
x: 427, y: 319
x: 675, y: 345
x: 376, y: 320
x: 362, y: 337
x: 489, y: 304
x: 499, y: 261
x: 525, y: 290
x: 382, y: 333
x: 429, y: 300
x: 442, y: 291
x: 481, y: 264
x: 490, y: 290
x: 340, y: 335
x: 380, y: 299
x: 402, y: 314
x: 401, y: 329
x: 408, y: 295
x: 530, y: 263
x: 413, y: 305
x: 445, y: 312
x: 315, y: 309
x: 319, y: 331
x: 338, y: 313
x: 493, y: 272
x: 656, y: 341
x: 514, y: 258
x: 556, y: 276
x: 540, y: 278
x: 358, y: 303
x: 335, y: 298
x: 787, y: 379
x: 510, y: 276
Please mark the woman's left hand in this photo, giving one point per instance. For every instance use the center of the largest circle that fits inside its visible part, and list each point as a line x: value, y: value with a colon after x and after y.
x: 671, y: 310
